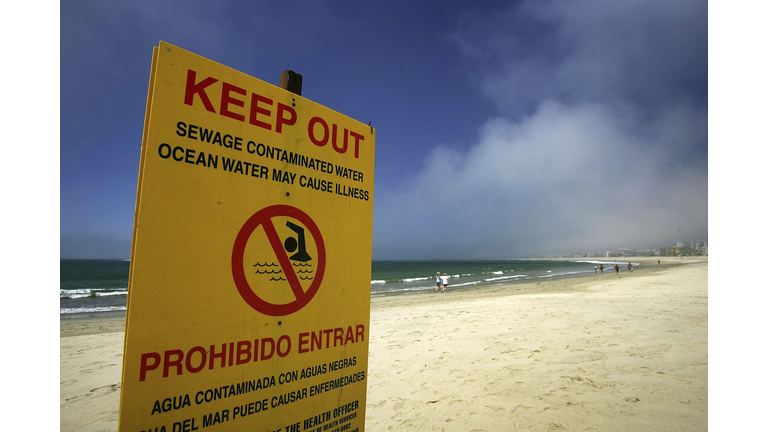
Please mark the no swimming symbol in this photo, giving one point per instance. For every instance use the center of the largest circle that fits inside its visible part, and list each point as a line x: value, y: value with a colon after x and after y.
x: 285, y: 267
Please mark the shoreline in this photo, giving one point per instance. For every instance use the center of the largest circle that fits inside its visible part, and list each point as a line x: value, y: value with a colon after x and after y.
x: 108, y: 319
x: 596, y: 351
x: 642, y: 263
x: 560, y: 284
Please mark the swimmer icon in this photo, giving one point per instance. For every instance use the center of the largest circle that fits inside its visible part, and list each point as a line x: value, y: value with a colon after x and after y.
x: 291, y: 244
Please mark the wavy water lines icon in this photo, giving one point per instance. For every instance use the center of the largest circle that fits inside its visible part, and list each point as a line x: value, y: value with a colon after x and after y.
x: 265, y: 269
x: 303, y: 271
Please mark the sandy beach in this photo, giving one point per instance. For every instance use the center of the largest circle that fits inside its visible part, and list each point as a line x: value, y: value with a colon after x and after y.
x: 607, y: 352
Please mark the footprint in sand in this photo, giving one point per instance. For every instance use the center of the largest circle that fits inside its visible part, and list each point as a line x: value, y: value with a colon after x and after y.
x: 497, y: 410
x: 97, y: 392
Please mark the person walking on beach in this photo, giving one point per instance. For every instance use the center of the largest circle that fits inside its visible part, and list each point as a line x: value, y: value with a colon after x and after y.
x: 444, y: 278
x: 629, y: 266
x: 437, y: 282
x: 601, y: 269
x: 617, y: 268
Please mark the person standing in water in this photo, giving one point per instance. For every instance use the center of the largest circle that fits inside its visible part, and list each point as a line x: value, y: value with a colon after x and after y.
x: 444, y: 278
x: 438, y: 282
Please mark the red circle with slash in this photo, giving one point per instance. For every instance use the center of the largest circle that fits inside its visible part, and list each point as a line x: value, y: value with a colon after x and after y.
x: 264, y: 218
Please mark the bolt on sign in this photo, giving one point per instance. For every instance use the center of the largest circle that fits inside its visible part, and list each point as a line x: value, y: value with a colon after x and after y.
x: 249, y: 290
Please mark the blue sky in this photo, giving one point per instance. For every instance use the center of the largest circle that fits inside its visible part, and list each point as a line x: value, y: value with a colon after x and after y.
x: 503, y: 127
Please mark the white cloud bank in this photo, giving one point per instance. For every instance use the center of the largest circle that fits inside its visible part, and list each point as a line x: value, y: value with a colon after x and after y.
x: 601, y: 140
x: 565, y: 179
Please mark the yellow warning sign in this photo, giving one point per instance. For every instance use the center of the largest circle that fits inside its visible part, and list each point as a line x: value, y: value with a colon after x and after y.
x: 249, y: 291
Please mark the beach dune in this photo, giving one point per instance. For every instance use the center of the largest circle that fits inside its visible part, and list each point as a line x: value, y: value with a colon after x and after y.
x: 611, y: 352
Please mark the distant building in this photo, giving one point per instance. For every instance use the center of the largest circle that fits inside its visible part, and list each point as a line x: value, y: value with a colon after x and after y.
x: 686, y: 245
x: 684, y: 248
x: 670, y: 251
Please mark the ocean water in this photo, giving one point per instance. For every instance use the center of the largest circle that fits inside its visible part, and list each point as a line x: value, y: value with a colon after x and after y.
x: 87, y: 286
x: 101, y: 286
x: 410, y: 277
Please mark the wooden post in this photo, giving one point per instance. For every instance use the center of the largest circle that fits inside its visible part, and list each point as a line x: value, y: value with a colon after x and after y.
x: 291, y: 81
